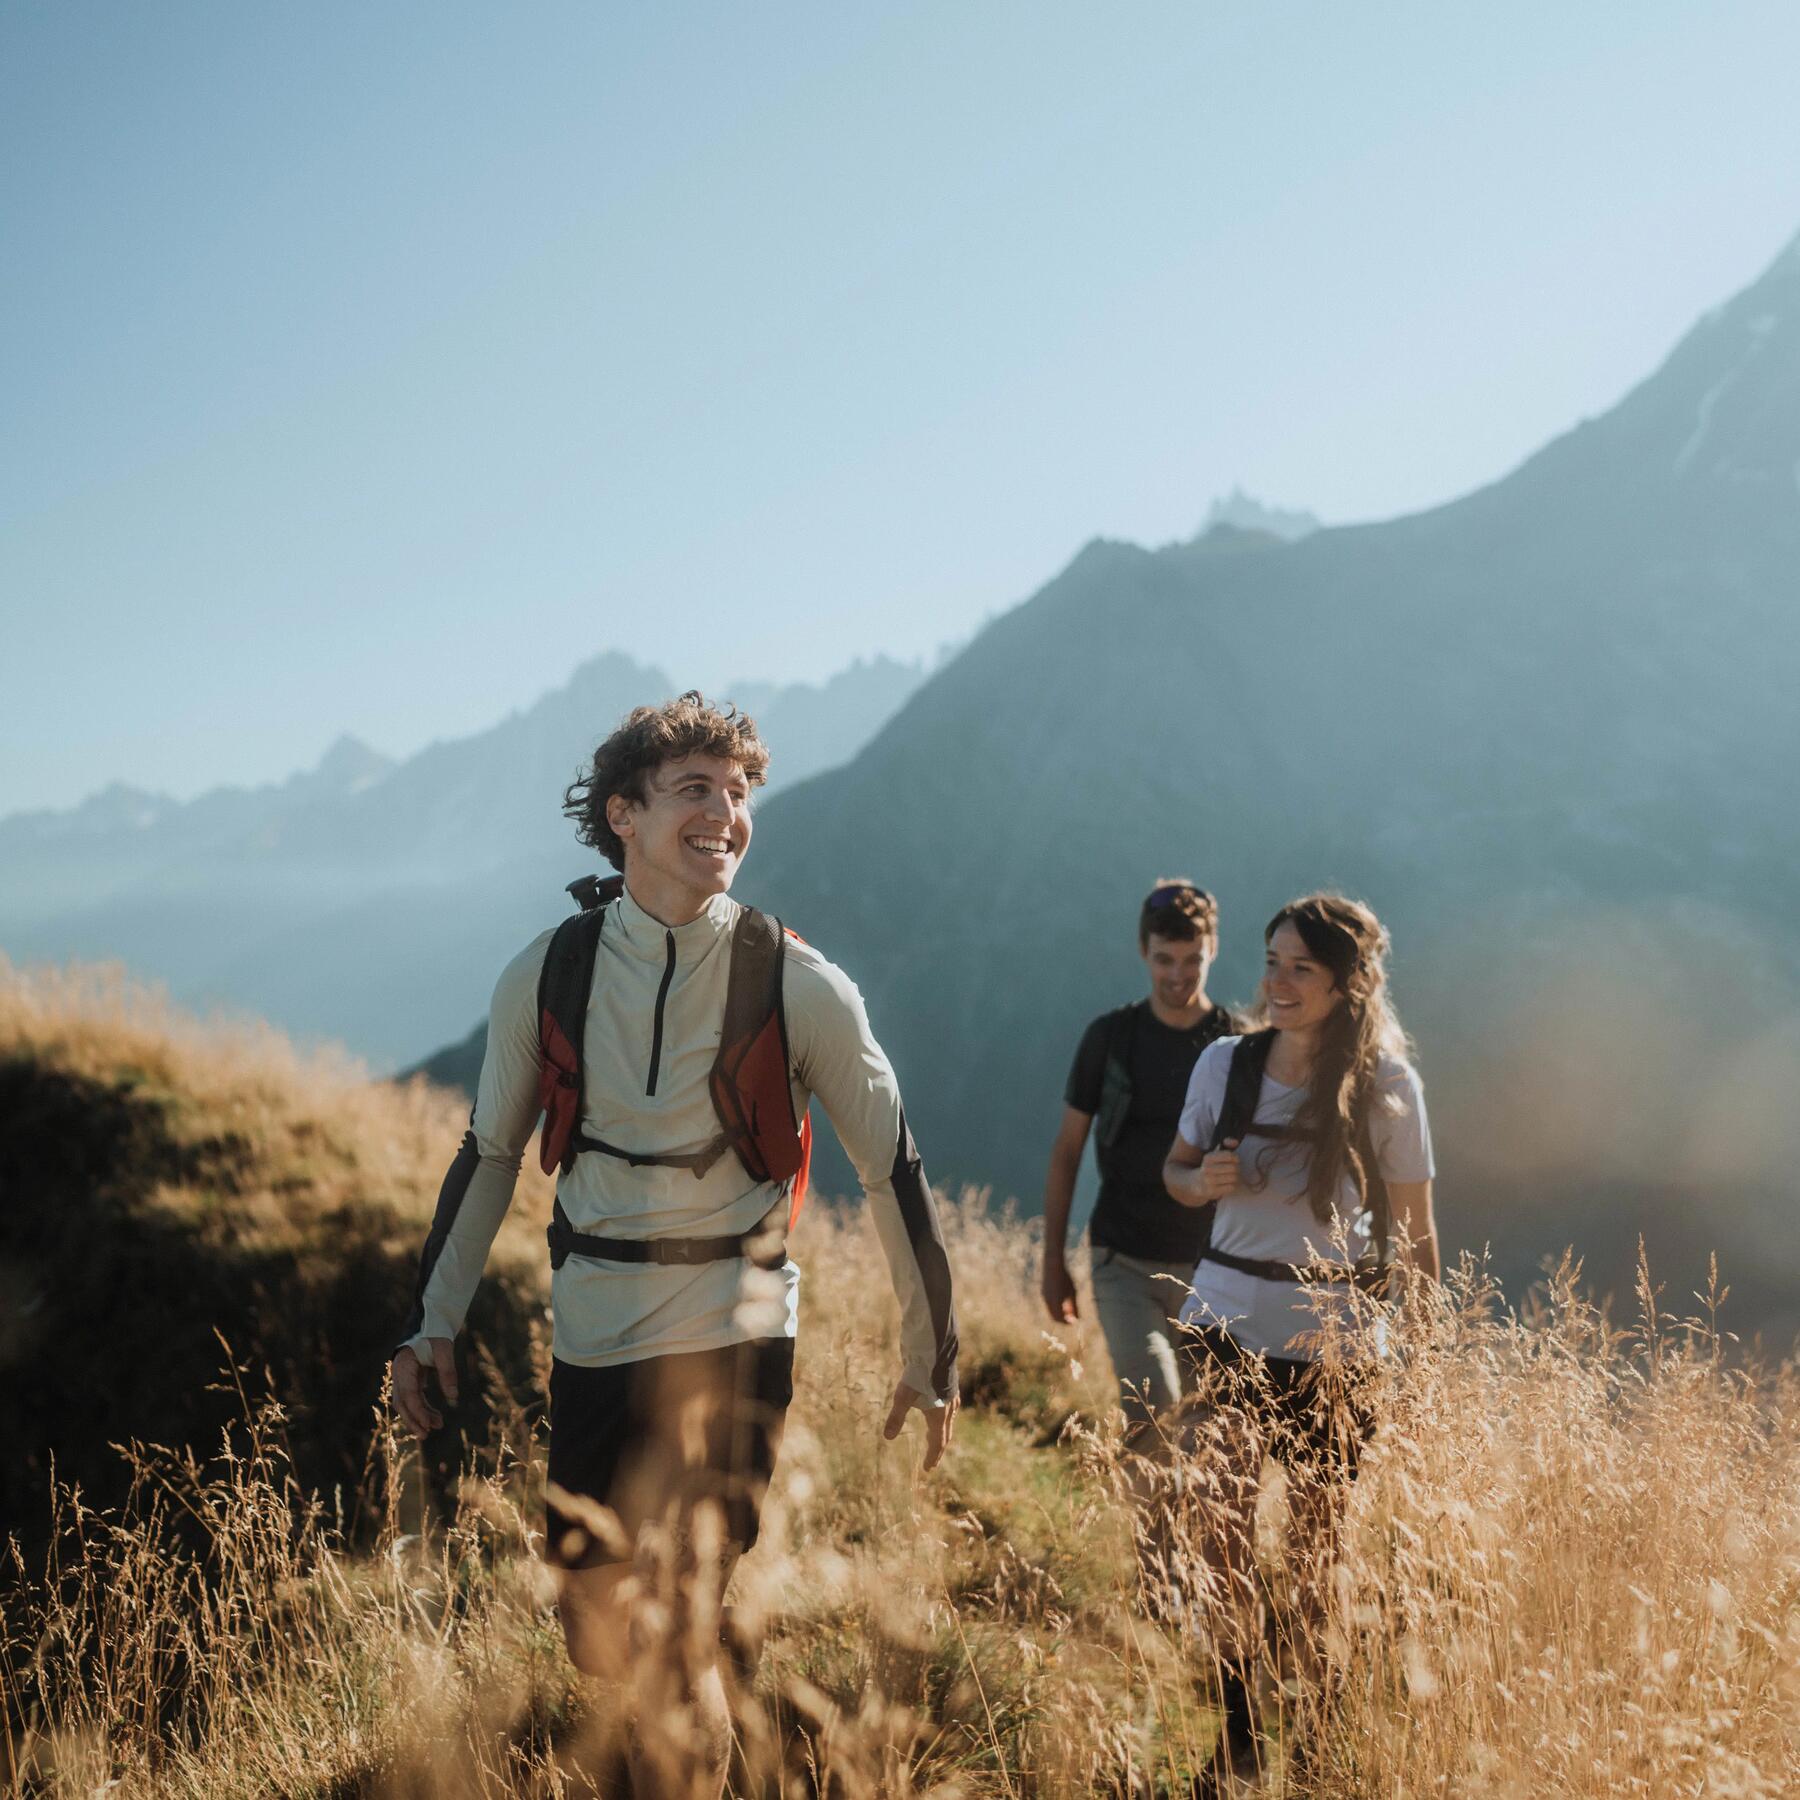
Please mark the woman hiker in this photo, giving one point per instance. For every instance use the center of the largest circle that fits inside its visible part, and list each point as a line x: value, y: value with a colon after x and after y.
x: 1309, y: 1140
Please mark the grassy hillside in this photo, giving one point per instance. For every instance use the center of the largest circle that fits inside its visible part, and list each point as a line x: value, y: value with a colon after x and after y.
x: 1573, y: 1564
x: 168, y: 1185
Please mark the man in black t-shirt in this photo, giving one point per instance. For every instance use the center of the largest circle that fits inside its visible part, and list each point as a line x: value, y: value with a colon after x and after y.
x: 1127, y: 1087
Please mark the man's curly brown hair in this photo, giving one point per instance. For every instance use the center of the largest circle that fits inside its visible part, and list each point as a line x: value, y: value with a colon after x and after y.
x: 649, y: 737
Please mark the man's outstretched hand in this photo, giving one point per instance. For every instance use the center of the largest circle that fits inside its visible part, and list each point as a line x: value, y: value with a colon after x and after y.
x: 416, y: 1412
x: 940, y: 1421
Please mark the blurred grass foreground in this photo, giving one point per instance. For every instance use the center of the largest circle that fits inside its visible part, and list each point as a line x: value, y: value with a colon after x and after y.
x: 1572, y: 1565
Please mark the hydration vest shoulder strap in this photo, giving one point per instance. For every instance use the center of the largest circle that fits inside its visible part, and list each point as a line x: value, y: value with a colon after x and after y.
x: 750, y: 1083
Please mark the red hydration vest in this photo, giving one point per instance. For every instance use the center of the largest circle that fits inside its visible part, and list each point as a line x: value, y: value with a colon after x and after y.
x: 749, y: 1082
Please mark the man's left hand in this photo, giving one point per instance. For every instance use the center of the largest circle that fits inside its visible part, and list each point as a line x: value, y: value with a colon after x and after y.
x: 940, y: 1421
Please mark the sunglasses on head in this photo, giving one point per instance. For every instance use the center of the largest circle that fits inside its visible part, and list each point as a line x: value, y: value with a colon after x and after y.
x: 1165, y: 895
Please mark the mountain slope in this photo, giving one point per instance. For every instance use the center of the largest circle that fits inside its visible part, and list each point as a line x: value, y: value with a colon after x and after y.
x: 1567, y: 693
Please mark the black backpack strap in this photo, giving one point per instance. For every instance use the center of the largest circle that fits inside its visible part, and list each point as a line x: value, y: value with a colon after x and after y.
x: 697, y: 1162
x: 751, y: 1067
x: 568, y: 975
x: 568, y: 971
x: 1115, y: 1076
x: 1372, y: 1277
x: 1243, y: 1088
x: 1237, y: 1120
x: 765, y: 1247
x: 564, y: 983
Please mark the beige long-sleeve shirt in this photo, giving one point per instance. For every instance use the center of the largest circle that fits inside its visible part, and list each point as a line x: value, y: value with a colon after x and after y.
x: 653, y: 1024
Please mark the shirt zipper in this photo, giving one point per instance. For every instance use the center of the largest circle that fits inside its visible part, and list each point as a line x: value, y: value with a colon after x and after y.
x: 662, y: 993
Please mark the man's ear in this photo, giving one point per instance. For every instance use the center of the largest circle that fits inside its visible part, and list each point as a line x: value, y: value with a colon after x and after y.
x: 619, y: 813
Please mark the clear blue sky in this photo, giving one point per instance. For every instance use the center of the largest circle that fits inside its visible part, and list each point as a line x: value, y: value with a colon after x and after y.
x: 364, y: 367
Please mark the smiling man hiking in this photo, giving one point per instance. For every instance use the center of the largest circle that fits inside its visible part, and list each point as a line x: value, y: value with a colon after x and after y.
x: 1127, y: 1086
x: 672, y: 1039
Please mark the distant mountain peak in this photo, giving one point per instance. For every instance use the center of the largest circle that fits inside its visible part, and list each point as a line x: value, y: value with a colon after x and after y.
x: 349, y: 766
x: 121, y: 807
x: 613, y: 665
x: 1244, y: 512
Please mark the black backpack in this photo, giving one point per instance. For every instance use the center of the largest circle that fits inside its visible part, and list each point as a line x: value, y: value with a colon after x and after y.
x: 1115, y: 1092
x: 1115, y: 1074
x: 1237, y: 1121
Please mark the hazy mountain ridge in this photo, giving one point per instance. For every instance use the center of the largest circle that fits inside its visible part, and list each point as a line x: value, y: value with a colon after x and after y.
x: 124, y: 835
x: 324, y: 902
x: 347, y: 767
x: 453, y: 788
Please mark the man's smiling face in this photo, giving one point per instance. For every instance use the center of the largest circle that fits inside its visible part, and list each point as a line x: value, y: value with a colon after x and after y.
x: 684, y: 841
x: 1178, y: 969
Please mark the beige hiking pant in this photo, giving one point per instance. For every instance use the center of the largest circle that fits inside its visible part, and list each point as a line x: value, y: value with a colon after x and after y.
x: 1138, y: 1302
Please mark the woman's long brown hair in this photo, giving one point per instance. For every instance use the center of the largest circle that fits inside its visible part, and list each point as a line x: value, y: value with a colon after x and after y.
x: 1348, y: 939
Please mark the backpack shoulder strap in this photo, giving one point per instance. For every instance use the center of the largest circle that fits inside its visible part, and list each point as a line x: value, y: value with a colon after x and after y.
x: 1243, y: 1087
x: 1115, y: 1074
x: 753, y: 990
x: 1122, y: 1033
x: 564, y: 983
x: 751, y: 1087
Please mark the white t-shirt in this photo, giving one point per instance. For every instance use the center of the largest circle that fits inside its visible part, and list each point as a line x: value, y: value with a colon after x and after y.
x: 1268, y: 1217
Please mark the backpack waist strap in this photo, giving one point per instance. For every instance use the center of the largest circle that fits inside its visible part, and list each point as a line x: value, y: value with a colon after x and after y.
x: 1372, y: 1277
x: 765, y: 1247
x: 699, y: 1161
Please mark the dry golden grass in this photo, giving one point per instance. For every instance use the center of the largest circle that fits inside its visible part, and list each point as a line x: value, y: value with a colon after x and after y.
x: 1572, y: 1564
x: 312, y: 1122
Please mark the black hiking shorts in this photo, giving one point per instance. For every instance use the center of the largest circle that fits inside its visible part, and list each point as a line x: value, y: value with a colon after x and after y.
x: 1312, y: 1417
x: 660, y: 1439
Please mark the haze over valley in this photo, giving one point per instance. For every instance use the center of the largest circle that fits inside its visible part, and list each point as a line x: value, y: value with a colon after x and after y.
x: 367, y: 900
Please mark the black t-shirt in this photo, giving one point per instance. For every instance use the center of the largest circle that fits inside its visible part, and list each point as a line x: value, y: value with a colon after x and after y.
x: 1134, y: 1214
